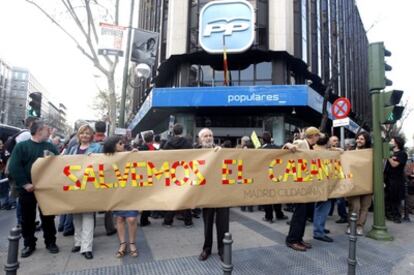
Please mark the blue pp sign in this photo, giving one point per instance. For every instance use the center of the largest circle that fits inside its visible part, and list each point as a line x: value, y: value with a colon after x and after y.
x: 231, y: 19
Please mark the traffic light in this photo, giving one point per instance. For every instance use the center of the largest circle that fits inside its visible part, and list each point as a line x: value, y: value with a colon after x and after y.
x: 35, y: 104
x: 377, y: 66
x: 390, y: 112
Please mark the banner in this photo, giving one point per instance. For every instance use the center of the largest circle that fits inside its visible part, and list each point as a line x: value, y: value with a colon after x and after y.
x: 182, y: 179
x: 110, y: 41
x: 144, y: 48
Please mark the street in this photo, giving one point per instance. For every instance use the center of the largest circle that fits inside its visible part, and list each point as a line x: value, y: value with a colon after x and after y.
x: 258, y: 248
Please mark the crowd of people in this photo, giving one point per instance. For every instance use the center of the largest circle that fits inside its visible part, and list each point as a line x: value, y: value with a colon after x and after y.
x: 38, y: 141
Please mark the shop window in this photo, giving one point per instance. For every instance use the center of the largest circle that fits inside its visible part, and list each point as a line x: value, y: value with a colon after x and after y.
x: 264, y: 71
x: 247, y: 74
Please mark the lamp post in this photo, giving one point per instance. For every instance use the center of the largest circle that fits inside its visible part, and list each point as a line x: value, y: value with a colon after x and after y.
x: 126, y: 65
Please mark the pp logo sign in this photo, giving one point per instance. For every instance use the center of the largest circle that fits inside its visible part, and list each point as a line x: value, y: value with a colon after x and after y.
x: 231, y: 19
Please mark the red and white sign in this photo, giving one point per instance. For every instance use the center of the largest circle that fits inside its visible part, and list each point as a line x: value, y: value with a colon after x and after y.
x: 341, y: 108
x: 110, y: 40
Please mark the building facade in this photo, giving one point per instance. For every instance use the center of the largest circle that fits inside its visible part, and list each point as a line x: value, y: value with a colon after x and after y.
x: 5, y: 80
x: 19, y: 84
x: 301, y: 49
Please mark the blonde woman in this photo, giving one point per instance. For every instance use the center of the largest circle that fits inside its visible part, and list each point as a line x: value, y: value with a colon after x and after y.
x: 84, y: 222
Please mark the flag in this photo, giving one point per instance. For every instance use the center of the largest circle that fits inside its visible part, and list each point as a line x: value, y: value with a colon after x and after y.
x: 255, y: 140
x: 225, y: 65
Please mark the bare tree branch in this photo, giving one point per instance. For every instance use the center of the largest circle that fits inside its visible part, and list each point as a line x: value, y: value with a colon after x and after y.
x: 91, y: 21
x: 78, y: 45
x: 91, y: 47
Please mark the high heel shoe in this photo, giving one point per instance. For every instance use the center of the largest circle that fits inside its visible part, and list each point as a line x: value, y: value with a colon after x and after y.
x: 121, y: 252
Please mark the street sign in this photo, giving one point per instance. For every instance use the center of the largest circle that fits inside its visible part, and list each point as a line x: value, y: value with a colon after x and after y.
x: 110, y: 41
x: 120, y: 131
x: 341, y: 108
x: 341, y: 122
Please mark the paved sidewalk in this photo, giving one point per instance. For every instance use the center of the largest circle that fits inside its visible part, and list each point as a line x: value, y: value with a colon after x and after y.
x: 258, y: 248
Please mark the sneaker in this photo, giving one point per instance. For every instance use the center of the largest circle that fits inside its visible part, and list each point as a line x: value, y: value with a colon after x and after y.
x: 53, y: 248
x: 189, y: 225
x: 360, y: 231
x: 348, y: 230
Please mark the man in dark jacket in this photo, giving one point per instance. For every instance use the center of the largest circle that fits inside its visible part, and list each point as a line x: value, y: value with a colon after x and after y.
x: 178, y: 142
x: 24, y: 155
x: 267, y: 140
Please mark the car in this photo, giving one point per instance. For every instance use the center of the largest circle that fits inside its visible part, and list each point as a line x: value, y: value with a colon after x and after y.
x: 7, y: 131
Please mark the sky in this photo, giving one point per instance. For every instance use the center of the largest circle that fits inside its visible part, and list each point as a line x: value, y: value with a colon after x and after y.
x: 28, y: 39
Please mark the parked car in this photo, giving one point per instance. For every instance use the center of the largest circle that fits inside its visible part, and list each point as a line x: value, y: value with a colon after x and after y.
x: 6, y: 131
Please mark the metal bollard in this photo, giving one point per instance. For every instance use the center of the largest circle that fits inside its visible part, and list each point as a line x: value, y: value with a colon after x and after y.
x: 406, y: 217
x: 226, y: 264
x: 352, y: 262
x: 12, y: 262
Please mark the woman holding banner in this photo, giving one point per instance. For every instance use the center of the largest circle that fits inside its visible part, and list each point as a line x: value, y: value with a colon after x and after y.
x: 84, y: 222
x: 112, y: 145
x: 360, y: 204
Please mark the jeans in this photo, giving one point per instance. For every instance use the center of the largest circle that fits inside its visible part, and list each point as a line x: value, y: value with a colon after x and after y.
x: 66, y: 223
x: 319, y: 217
x: 342, y: 208
x: 4, y: 193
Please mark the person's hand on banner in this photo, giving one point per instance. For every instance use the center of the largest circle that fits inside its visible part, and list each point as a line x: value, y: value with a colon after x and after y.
x: 28, y: 187
x: 291, y: 147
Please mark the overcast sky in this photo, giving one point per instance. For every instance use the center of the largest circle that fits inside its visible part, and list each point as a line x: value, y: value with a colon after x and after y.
x: 29, y: 40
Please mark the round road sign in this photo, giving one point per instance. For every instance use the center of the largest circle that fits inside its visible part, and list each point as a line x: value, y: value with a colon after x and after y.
x: 341, y: 108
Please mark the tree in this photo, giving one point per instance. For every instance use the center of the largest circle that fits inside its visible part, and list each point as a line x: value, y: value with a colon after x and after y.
x: 84, y: 15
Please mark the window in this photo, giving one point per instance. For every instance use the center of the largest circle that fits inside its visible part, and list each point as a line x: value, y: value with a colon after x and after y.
x: 304, y: 30
x: 264, y: 71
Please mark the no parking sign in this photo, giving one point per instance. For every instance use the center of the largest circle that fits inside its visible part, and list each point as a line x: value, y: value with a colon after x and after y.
x: 341, y: 108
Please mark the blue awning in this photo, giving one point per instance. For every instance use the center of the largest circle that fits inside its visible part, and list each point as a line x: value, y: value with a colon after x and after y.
x: 234, y: 96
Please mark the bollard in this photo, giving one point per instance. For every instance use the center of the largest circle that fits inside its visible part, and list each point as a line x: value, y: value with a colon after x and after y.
x: 226, y: 264
x: 12, y: 263
x: 352, y: 245
x: 406, y: 217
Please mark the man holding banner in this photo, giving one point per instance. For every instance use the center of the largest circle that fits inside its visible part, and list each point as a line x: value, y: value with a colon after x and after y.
x: 24, y: 155
x: 206, y: 140
x: 294, y: 238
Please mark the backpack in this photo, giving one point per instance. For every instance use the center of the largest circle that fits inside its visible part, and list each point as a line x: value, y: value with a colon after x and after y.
x: 11, y: 142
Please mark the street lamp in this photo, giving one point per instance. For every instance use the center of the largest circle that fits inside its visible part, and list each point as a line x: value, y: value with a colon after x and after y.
x: 142, y: 71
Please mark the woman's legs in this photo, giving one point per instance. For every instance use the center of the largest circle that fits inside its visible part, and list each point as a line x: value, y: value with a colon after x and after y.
x: 132, y: 232
x: 120, y: 225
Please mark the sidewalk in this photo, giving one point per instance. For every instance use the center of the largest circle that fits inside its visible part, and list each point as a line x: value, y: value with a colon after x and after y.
x: 258, y: 248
